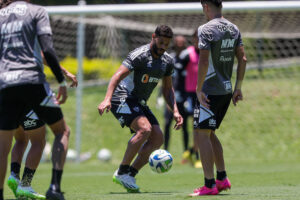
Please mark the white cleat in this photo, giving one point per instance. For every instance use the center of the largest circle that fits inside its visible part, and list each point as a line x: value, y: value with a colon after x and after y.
x: 128, y: 182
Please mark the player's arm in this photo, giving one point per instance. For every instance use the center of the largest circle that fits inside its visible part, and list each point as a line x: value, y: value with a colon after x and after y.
x: 67, y: 74
x: 168, y: 93
x: 241, y: 68
x: 120, y: 74
x: 46, y: 44
x: 202, y: 71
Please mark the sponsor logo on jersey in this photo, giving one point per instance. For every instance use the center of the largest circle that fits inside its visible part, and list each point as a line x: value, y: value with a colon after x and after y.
x: 227, y: 27
x: 11, y: 76
x: 30, y: 123
x: 227, y: 43
x: 225, y: 59
x: 148, y: 79
x: 19, y: 9
x: 212, y: 122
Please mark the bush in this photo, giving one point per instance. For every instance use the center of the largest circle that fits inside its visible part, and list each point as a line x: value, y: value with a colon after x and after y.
x: 92, y: 68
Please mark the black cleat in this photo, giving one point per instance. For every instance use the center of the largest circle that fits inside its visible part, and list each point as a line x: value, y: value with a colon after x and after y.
x: 54, y: 195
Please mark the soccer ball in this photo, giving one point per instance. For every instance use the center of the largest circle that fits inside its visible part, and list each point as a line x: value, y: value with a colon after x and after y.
x: 104, y: 155
x: 160, y: 161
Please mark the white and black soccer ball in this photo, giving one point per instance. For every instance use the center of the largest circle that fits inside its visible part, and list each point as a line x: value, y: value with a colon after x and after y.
x: 160, y: 161
x: 104, y: 155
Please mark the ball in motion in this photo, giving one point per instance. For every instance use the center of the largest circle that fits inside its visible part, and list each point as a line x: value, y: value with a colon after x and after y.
x: 104, y: 155
x: 160, y: 161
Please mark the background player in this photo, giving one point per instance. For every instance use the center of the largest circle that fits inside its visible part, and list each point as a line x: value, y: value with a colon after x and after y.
x: 127, y: 95
x: 23, y: 85
x: 221, y: 41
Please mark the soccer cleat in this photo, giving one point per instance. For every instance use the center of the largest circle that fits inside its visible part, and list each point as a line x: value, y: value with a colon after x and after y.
x: 128, y: 182
x: 223, y: 185
x: 198, y: 164
x: 13, y: 183
x: 26, y: 192
x: 187, y: 157
x: 205, y: 191
x: 54, y: 195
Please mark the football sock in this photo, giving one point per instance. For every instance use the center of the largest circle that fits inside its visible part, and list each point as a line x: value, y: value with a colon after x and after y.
x: 221, y: 175
x: 123, y: 169
x: 209, y: 182
x: 56, y: 179
x: 27, y: 176
x: 15, y: 169
x: 132, y: 171
x: 1, y: 194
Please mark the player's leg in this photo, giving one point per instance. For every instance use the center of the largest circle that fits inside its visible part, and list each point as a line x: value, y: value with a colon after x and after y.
x: 16, y: 159
x: 168, y: 121
x: 154, y: 141
x: 6, y: 137
x: 222, y: 181
x: 37, y: 139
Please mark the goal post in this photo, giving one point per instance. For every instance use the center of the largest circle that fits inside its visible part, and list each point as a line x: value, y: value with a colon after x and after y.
x: 271, y: 32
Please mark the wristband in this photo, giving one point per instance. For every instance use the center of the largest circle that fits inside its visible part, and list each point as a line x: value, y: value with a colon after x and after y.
x: 63, y: 84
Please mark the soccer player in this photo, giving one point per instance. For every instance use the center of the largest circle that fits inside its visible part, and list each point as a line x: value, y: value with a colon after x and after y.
x: 23, y: 86
x: 189, y: 59
x: 127, y: 95
x: 219, y: 42
x: 34, y: 130
x: 178, y: 85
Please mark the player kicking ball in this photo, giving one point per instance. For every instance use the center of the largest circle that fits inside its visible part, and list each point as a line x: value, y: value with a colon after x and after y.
x: 127, y: 95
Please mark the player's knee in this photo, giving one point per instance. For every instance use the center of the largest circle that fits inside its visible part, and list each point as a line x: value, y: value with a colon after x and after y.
x: 145, y: 130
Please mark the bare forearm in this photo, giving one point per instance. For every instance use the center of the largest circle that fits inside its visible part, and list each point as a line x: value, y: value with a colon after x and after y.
x: 169, y: 96
x: 111, y: 87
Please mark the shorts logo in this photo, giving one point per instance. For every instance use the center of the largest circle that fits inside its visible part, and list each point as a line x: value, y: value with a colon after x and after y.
x: 212, y: 122
x: 123, y: 107
x: 227, y: 85
x: 29, y: 123
x: 136, y: 109
x: 121, y: 120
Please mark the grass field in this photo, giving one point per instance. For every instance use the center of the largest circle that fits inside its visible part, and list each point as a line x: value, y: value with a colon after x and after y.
x: 260, y: 136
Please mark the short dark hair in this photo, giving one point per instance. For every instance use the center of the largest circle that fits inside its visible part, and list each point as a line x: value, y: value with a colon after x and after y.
x: 217, y: 3
x: 4, y: 3
x: 164, y: 31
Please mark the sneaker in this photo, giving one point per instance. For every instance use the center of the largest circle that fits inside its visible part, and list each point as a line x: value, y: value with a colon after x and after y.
x: 13, y: 183
x: 128, y: 182
x: 187, y: 157
x: 26, y: 192
x: 198, y: 164
x: 54, y: 195
x: 205, y: 191
x: 223, y: 185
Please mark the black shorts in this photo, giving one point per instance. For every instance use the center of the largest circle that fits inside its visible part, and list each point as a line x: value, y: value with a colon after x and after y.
x: 16, y: 102
x: 31, y: 121
x: 127, y: 109
x: 211, y: 118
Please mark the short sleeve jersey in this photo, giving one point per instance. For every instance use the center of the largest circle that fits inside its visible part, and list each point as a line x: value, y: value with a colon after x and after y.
x: 220, y: 37
x: 145, y: 73
x: 20, y: 58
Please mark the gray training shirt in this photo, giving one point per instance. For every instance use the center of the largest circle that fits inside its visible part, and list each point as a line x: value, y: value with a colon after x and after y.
x: 20, y: 58
x: 220, y: 37
x: 146, y: 71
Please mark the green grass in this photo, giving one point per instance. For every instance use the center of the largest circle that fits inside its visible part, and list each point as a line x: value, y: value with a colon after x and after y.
x: 260, y: 138
x: 250, y: 180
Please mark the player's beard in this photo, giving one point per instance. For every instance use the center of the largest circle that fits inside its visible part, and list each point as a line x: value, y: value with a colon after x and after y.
x: 155, y: 50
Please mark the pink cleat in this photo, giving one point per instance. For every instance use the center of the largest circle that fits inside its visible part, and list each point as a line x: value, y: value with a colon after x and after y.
x: 205, y: 191
x: 223, y: 185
